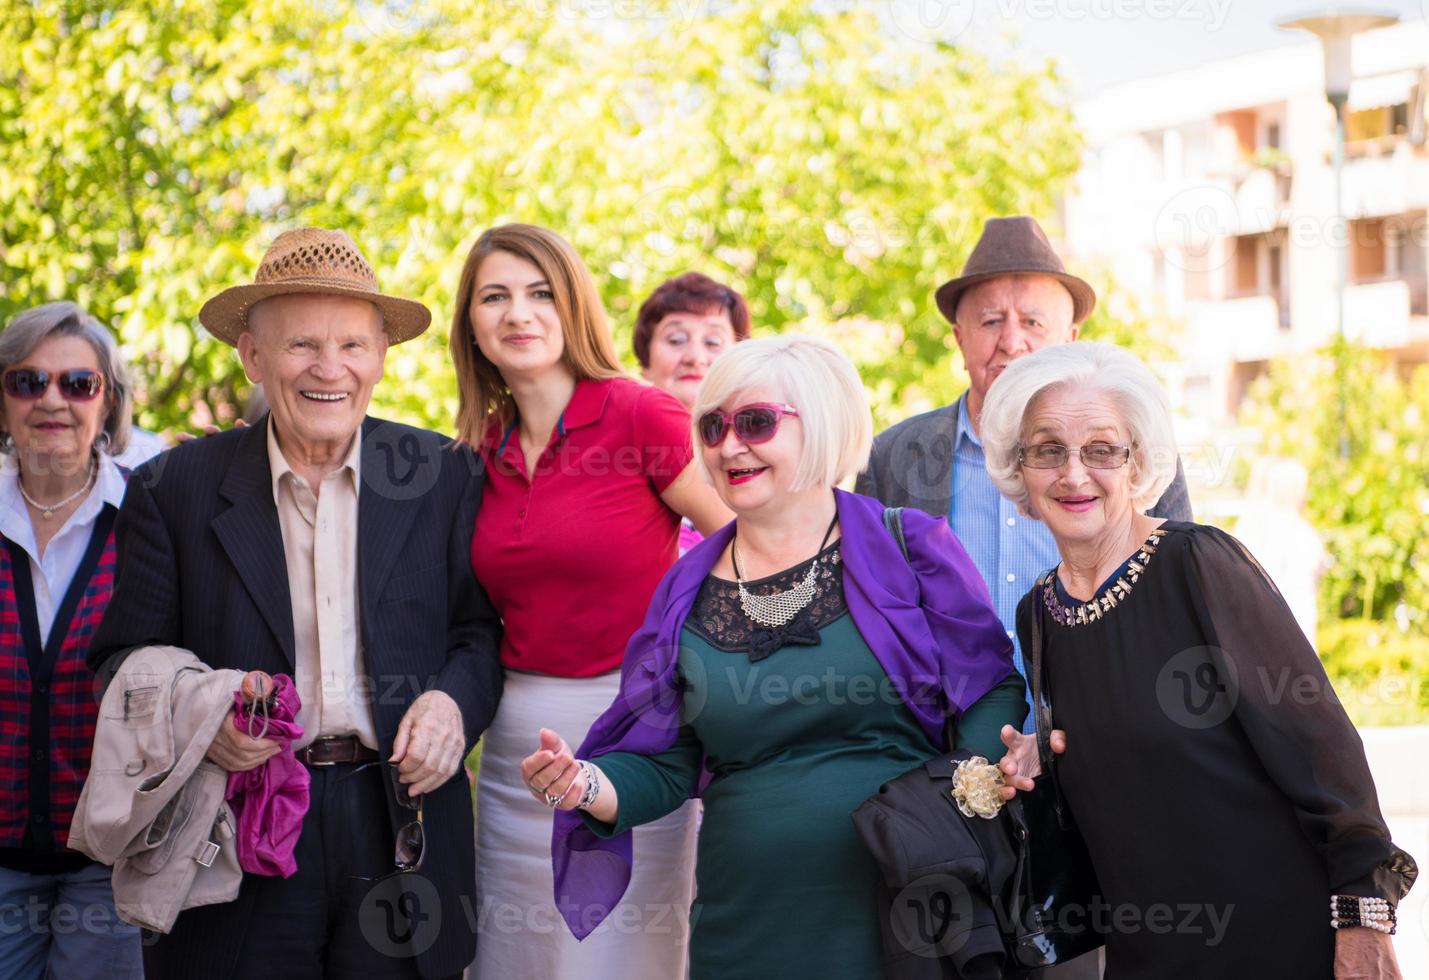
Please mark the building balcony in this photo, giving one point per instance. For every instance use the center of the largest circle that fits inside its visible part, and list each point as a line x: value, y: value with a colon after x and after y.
x: 1393, y: 182
x: 1245, y: 328
x: 1382, y: 314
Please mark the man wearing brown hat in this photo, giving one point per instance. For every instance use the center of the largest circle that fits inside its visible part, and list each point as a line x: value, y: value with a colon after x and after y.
x: 336, y: 548
x: 1014, y: 297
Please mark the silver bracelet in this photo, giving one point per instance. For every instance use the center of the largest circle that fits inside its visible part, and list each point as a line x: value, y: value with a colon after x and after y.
x: 1356, y: 911
x: 592, y: 784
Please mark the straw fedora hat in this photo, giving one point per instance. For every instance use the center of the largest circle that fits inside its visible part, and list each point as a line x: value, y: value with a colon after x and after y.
x: 311, y: 260
x: 1010, y: 247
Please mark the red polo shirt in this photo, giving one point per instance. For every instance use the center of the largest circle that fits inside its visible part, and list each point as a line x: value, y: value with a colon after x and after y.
x: 571, y: 555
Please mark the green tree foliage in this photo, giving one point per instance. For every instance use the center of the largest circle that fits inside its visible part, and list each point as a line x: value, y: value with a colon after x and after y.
x: 1373, y: 506
x: 832, y: 168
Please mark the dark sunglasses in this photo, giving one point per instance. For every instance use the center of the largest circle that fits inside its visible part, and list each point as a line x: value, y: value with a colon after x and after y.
x: 77, y: 385
x: 412, y: 838
x: 411, y: 845
x: 753, y: 423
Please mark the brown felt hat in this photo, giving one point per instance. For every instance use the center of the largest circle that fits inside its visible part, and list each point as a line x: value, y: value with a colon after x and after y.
x: 1010, y: 247
x: 312, y: 260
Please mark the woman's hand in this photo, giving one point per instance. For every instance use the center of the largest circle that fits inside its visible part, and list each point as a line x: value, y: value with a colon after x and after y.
x: 1020, y: 765
x: 551, y: 771
x: 208, y: 430
x: 1364, y: 954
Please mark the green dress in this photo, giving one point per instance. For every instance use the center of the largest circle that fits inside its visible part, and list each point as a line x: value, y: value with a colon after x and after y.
x: 798, y: 727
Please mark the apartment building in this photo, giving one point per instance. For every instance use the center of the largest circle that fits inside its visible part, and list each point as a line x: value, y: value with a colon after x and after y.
x: 1210, y: 194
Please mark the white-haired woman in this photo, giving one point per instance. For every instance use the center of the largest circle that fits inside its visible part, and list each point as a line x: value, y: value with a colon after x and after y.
x: 789, y: 665
x: 1209, y: 766
x: 66, y: 414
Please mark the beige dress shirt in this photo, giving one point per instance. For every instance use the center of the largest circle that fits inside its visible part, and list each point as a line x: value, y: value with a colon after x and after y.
x: 320, y: 544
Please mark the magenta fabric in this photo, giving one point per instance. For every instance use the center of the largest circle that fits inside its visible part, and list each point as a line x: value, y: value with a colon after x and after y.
x: 689, y: 537
x: 269, y: 802
x: 927, y: 618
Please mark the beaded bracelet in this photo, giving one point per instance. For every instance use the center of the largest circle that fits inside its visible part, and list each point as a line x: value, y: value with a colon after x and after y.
x: 1350, y: 911
x: 592, y: 784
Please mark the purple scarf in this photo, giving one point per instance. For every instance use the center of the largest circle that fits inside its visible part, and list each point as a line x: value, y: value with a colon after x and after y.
x: 928, y: 620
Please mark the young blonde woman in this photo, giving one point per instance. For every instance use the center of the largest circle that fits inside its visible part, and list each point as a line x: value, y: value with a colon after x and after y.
x: 588, y: 475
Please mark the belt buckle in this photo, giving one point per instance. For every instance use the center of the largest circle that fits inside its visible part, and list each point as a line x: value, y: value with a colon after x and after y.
x: 208, y: 853
x: 329, y: 739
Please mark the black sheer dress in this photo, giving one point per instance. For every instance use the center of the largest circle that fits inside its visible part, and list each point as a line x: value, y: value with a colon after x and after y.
x: 1222, y: 790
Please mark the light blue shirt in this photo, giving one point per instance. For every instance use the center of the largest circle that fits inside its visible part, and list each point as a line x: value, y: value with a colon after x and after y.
x: 1010, y: 550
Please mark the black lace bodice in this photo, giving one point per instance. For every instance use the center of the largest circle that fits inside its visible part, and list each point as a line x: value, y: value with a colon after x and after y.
x: 718, y: 617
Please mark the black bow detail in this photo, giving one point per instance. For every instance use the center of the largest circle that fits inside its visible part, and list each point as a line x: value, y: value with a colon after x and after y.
x: 764, y: 640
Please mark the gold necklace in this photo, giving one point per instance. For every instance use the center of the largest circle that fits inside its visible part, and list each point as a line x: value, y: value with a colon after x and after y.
x: 48, y: 510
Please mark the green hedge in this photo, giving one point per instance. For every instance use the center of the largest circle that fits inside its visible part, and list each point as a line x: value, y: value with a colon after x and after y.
x: 1380, y: 673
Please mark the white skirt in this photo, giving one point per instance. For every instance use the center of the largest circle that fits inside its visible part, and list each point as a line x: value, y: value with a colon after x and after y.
x: 520, y: 934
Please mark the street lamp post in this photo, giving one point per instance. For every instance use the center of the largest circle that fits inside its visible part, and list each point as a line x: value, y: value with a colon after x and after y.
x: 1335, y: 29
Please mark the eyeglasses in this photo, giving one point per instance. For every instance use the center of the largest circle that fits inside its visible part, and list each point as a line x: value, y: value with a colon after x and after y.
x: 77, y: 385
x: 753, y: 424
x: 411, y: 845
x: 1053, y: 455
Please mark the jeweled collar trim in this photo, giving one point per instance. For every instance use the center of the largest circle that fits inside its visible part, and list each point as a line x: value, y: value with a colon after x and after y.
x: 1099, y: 606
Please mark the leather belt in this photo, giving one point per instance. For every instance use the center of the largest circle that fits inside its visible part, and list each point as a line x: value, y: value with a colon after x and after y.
x: 333, y: 750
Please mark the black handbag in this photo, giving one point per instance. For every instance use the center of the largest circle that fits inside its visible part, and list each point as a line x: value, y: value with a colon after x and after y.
x: 1048, y: 906
x: 1054, y: 895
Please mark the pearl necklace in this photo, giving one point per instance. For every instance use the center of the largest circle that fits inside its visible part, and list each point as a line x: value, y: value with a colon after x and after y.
x: 48, y: 510
x: 777, y: 608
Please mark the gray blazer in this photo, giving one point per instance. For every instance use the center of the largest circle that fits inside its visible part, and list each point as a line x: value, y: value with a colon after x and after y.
x: 912, y: 466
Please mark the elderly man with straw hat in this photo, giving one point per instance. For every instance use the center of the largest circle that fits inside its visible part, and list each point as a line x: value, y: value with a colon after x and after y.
x: 336, y: 548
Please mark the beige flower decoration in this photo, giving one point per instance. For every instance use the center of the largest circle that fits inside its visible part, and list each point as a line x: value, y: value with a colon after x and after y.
x: 975, y: 788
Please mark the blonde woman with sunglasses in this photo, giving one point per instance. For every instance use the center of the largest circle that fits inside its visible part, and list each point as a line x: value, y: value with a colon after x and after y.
x: 788, y: 666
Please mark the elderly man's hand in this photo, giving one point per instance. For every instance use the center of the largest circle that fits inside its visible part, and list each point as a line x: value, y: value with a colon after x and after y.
x: 430, y: 742
x: 237, y: 751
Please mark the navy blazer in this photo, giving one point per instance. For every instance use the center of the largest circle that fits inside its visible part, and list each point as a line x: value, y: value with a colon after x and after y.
x: 201, y: 566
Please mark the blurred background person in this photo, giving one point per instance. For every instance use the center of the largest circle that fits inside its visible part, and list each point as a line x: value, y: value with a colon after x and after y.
x: 1274, y: 528
x: 681, y: 328
x: 588, y: 473
x: 67, y: 406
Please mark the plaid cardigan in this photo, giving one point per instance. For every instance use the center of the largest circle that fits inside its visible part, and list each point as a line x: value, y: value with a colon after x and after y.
x: 49, y: 701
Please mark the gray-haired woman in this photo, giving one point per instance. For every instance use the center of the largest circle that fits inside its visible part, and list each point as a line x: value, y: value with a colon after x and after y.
x: 1211, y: 769
x: 67, y: 403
